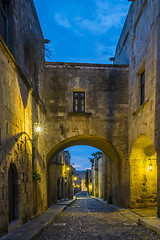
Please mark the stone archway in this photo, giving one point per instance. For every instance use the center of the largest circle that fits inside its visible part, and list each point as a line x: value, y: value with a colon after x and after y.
x: 102, y: 122
x: 143, y: 173
x: 121, y: 180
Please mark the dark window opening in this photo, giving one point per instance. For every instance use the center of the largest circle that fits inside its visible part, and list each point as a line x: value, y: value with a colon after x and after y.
x: 78, y: 101
x: 13, y: 192
x: 142, y: 87
x: 3, y: 20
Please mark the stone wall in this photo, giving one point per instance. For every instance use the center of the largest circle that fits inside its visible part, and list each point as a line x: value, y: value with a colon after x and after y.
x: 100, y: 178
x: 138, y: 46
x: 114, y: 120
x: 57, y: 178
x: 104, y: 123
x: 21, y: 106
x: 106, y: 89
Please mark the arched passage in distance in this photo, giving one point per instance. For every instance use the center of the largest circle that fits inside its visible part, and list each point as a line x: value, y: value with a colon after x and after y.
x: 143, y: 173
x: 120, y: 188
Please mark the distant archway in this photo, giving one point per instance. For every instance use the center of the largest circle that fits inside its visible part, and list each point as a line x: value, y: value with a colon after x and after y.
x: 13, y: 192
x: 121, y: 180
x: 143, y: 173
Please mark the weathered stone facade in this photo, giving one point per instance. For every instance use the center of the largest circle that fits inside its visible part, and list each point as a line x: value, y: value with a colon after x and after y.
x: 21, y: 106
x: 138, y: 46
x: 103, y: 124
x: 60, y: 177
x: 115, y: 120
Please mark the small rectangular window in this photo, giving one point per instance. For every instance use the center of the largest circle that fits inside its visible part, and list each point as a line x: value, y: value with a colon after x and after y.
x: 78, y: 101
x: 142, y: 87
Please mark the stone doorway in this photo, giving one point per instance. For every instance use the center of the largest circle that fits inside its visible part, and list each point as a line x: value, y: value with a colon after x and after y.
x: 13, y: 192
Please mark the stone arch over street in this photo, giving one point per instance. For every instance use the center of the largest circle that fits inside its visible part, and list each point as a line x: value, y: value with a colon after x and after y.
x: 101, y: 121
x: 143, y: 173
x: 120, y: 188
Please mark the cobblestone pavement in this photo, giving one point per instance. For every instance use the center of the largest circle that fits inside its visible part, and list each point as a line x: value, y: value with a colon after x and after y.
x: 88, y: 219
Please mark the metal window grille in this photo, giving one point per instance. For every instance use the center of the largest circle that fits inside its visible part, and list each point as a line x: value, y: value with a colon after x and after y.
x: 78, y: 101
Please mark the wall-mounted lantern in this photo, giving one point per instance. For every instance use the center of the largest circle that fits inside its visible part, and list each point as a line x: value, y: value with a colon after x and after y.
x: 150, y: 165
x: 37, y: 129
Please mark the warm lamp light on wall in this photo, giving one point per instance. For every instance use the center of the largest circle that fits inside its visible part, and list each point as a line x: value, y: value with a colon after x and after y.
x: 150, y: 165
x: 37, y: 129
x: 68, y: 168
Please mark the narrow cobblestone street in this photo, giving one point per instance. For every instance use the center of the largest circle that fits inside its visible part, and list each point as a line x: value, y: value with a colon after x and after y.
x: 89, y: 219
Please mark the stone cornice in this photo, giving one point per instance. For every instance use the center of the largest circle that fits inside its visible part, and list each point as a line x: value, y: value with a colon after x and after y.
x: 65, y: 65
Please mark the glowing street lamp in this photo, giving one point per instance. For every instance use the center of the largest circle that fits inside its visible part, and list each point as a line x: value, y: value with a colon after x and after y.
x: 38, y: 129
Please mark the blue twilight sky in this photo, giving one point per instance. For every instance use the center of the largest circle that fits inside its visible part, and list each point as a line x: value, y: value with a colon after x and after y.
x: 80, y: 156
x: 82, y: 31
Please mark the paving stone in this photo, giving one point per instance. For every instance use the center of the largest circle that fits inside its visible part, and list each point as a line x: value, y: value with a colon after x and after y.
x: 32, y: 229
x: 88, y: 219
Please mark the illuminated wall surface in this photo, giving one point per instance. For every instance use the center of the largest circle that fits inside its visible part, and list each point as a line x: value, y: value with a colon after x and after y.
x: 138, y: 46
x: 143, y: 174
x: 21, y: 106
x: 114, y: 120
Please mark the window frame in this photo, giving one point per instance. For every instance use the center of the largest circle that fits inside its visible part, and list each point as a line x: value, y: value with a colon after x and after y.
x: 79, y: 107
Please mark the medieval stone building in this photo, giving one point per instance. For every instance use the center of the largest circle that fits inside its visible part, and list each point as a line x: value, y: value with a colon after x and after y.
x: 21, y: 111
x: 138, y: 47
x: 112, y: 107
x: 61, y: 178
x: 97, y: 177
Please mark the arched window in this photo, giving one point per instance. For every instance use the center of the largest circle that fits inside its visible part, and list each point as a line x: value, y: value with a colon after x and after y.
x: 13, y: 192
